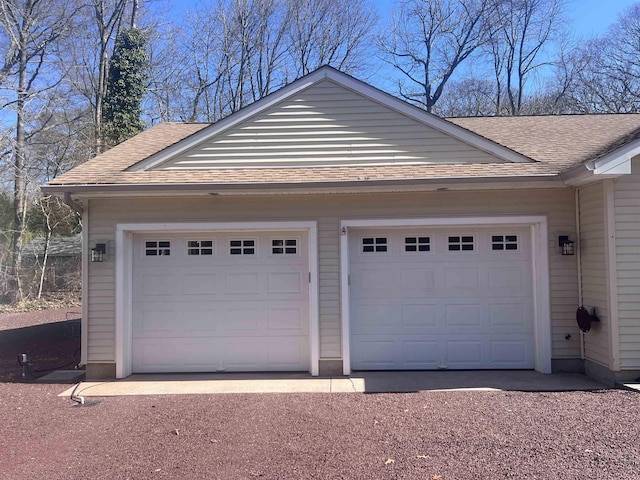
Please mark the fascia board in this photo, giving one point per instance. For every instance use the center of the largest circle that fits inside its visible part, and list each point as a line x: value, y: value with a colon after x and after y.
x: 309, y: 187
x: 616, y: 162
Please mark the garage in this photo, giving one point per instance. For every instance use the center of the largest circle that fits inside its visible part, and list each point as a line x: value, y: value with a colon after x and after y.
x: 434, y: 297
x: 220, y: 301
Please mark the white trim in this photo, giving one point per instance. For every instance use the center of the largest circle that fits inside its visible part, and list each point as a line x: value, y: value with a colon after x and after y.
x: 578, y: 245
x: 540, y: 265
x: 84, y: 331
x: 616, y: 160
x: 610, y: 166
x: 345, y: 81
x: 612, y: 274
x: 345, y: 297
x: 124, y: 273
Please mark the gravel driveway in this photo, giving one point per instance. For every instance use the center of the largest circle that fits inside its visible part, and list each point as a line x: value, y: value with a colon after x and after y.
x: 428, y: 435
x: 431, y: 435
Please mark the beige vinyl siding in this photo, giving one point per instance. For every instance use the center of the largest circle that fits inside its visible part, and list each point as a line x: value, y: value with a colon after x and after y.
x: 627, y: 212
x: 327, y: 125
x: 594, y: 270
x: 328, y: 210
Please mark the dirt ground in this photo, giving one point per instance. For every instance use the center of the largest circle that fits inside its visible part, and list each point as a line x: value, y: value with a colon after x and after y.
x: 43, y: 335
x: 429, y: 435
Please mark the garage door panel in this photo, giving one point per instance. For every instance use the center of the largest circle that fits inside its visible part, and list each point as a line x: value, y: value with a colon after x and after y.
x: 373, y: 280
x: 374, y: 353
x: 152, y: 285
x: 199, y: 284
x: 419, y: 316
x: 511, y: 352
x: 463, y: 353
x: 377, y: 318
x: 418, y: 281
x: 284, y: 355
x: 511, y: 315
x: 441, y: 308
x: 462, y: 316
x: 421, y: 354
x: 285, y: 282
x: 292, y: 319
x: 155, y: 354
x: 462, y: 278
x: 243, y: 321
x: 214, y: 311
x: 241, y: 283
x: 511, y: 278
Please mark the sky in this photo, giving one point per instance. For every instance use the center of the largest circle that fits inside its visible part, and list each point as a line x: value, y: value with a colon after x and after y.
x: 587, y: 17
x: 593, y: 17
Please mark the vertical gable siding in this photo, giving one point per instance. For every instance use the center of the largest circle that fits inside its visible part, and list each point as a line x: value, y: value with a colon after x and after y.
x: 594, y: 270
x: 328, y: 210
x: 627, y: 212
x: 327, y: 124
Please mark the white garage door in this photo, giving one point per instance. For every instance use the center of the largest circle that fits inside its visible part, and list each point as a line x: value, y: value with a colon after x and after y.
x: 220, y: 302
x: 457, y: 298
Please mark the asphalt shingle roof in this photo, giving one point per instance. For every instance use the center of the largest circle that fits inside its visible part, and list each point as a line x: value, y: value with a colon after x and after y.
x: 554, y: 143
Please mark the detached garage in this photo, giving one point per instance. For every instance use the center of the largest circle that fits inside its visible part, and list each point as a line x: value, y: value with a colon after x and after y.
x: 330, y: 227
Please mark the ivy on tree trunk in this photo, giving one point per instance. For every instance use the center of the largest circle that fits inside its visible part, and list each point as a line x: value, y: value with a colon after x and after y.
x: 126, y: 85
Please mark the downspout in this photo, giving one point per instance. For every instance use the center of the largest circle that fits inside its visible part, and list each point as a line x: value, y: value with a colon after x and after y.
x: 72, y: 203
x: 579, y: 265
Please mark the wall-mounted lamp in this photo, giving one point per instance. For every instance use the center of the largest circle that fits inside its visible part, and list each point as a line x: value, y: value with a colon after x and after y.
x: 98, y: 252
x: 567, y: 247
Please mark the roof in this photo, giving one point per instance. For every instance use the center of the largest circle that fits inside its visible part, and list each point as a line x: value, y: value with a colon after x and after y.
x: 523, y: 147
x: 560, y: 140
x: 58, y: 246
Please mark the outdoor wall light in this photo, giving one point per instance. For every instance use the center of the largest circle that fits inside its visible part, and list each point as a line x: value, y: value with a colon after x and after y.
x: 567, y: 247
x: 98, y: 252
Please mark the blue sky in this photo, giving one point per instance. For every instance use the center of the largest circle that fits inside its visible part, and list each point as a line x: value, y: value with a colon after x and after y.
x: 587, y: 17
x: 593, y: 17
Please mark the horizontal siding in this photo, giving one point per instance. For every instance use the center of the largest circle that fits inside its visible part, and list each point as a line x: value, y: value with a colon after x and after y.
x: 328, y: 210
x: 594, y: 271
x: 627, y: 210
x: 323, y: 125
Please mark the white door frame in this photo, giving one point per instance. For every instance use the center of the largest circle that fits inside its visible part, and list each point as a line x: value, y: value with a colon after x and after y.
x: 124, y: 276
x: 539, y: 260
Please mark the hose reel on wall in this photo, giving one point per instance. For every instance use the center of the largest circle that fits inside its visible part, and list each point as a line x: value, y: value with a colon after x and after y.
x: 584, y: 318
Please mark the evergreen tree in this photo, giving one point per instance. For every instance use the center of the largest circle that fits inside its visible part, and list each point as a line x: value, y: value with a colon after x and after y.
x: 126, y: 86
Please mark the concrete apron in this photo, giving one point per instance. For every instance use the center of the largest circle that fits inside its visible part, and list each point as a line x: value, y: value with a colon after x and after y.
x: 359, y: 382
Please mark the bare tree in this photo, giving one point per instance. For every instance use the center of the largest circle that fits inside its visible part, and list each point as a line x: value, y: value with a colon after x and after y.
x: 608, y: 68
x: 329, y: 32
x: 87, y: 54
x: 470, y: 97
x: 430, y: 39
x: 518, y: 47
x: 30, y: 29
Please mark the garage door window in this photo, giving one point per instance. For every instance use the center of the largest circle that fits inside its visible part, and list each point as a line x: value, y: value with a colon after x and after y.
x: 504, y: 242
x: 417, y: 244
x: 156, y: 249
x: 200, y: 247
x: 374, y: 244
x: 461, y: 244
x: 242, y: 247
x: 284, y: 246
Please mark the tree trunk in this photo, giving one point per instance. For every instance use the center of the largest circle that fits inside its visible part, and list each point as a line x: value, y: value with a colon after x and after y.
x: 19, y: 189
x: 45, y: 260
